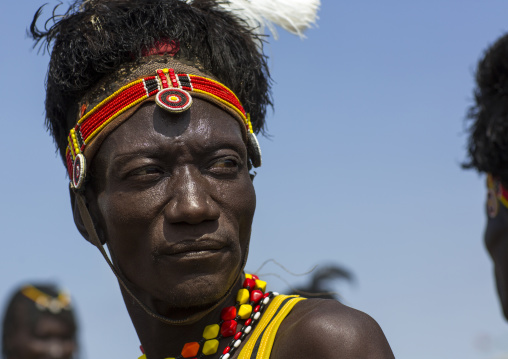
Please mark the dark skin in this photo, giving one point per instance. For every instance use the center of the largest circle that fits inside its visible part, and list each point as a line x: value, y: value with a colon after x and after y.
x: 496, y: 241
x: 50, y: 338
x: 173, y: 199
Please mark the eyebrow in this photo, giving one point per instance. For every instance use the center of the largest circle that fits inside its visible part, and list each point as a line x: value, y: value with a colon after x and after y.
x: 156, y: 151
x: 122, y: 158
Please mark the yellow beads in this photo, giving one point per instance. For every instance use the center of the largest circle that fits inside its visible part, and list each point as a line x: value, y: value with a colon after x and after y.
x: 211, y: 331
x: 247, y: 275
x: 261, y: 285
x: 142, y: 357
x: 243, y: 296
x: 73, y: 143
x: 249, y: 125
x: 245, y: 311
x: 210, y: 347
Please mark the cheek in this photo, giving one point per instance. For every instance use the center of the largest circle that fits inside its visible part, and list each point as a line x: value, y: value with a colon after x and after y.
x: 238, y: 202
x: 127, y: 216
x: 496, y: 241
x: 69, y: 347
x: 249, y: 207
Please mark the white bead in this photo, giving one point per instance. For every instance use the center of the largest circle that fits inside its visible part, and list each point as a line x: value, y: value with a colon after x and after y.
x: 247, y: 330
x: 226, y: 356
x: 275, y: 294
x: 237, y: 343
x: 257, y: 315
x: 266, y: 300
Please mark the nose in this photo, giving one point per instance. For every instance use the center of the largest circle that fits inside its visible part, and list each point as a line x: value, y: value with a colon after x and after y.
x: 191, y: 200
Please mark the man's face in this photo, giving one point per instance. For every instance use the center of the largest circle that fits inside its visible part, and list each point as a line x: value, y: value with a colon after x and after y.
x: 50, y: 338
x: 496, y: 241
x: 173, y: 198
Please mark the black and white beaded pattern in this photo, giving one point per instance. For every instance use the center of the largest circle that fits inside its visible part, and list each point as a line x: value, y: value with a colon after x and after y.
x: 184, y: 81
x: 151, y: 85
x: 235, y: 344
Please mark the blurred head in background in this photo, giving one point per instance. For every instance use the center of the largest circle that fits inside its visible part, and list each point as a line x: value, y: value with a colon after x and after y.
x: 39, y: 323
x: 488, y: 153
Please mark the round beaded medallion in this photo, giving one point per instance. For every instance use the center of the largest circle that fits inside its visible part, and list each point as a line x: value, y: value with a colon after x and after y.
x: 78, y: 171
x: 174, y: 99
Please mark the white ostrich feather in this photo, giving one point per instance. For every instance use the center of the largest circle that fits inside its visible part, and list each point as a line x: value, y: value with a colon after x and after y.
x: 294, y: 16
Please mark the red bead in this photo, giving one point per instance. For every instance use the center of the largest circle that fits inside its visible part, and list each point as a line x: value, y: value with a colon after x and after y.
x: 248, y: 321
x: 228, y: 328
x: 257, y: 308
x: 255, y: 277
x: 267, y: 294
x: 228, y: 313
x: 190, y: 350
x: 256, y: 295
x: 249, y: 283
x: 142, y: 350
x: 226, y: 350
x: 238, y: 335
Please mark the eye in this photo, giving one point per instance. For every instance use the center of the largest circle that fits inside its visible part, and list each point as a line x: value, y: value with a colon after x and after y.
x: 147, y: 171
x: 225, y: 165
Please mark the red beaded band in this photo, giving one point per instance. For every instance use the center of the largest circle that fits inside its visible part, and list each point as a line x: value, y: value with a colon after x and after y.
x: 171, y: 91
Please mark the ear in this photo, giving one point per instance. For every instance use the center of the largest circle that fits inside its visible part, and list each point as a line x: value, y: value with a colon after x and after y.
x: 78, y: 221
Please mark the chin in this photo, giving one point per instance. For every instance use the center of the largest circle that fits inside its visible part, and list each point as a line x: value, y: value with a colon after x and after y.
x: 196, y: 291
x: 192, y: 300
x: 180, y: 304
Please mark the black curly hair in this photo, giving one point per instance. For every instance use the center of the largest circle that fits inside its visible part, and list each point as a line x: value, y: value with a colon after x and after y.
x: 22, y: 312
x: 488, y: 131
x: 95, y: 37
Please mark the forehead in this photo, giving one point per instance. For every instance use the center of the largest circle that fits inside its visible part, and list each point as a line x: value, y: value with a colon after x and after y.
x: 203, y: 126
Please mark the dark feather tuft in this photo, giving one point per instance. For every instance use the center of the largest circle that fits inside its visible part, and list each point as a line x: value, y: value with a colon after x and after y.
x: 93, y: 38
x: 488, y: 117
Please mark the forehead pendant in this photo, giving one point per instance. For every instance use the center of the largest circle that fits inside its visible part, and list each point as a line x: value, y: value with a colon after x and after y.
x: 172, y: 99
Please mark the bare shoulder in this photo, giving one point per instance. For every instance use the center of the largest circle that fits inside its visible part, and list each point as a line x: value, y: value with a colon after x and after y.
x: 327, y: 329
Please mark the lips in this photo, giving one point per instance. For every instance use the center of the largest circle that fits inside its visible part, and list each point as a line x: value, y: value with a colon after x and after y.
x: 193, y: 246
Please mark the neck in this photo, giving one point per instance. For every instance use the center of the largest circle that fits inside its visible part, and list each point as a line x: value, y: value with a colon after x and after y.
x: 161, y: 340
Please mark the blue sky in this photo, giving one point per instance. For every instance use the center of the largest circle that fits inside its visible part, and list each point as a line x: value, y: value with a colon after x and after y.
x: 362, y: 169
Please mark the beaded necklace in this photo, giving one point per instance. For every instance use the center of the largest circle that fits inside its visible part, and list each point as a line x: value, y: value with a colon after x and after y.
x: 251, y: 301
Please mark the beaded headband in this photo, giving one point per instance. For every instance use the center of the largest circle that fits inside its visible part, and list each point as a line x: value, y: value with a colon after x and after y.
x: 45, y: 301
x: 172, y: 93
x: 496, y: 192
